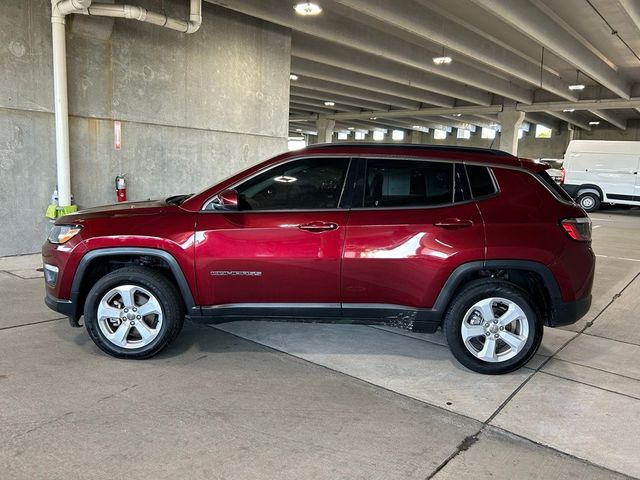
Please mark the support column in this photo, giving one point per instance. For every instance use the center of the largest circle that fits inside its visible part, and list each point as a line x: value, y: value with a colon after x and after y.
x: 325, y: 129
x: 416, y: 136
x: 511, y: 121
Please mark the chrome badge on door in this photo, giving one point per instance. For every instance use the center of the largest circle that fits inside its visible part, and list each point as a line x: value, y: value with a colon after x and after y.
x: 235, y: 273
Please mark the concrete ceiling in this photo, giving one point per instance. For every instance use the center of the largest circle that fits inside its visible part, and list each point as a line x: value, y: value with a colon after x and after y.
x: 373, y: 58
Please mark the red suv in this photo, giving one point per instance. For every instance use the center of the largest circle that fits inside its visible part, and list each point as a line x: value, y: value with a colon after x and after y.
x: 477, y: 241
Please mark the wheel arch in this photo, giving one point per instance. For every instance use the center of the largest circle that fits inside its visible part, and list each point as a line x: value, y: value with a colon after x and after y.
x: 80, y: 286
x: 534, y: 277
x: 590, y: 188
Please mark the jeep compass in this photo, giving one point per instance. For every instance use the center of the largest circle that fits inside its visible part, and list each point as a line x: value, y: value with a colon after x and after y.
x: 477, y: 242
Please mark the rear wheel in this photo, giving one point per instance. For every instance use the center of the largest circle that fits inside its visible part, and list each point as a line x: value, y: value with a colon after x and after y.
x: 590, y: 202
x: 491, y: 327
x: 133, y: 312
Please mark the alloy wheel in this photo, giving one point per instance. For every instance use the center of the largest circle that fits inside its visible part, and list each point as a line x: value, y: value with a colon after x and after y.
x: 129, y: 316
x: 495, y: 329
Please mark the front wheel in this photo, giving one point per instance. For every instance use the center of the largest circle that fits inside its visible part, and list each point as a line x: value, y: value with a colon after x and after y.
x: 133, y: 312
x: 492, y: 328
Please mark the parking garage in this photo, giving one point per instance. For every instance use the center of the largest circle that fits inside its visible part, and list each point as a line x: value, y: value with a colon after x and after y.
x: 102, y: 102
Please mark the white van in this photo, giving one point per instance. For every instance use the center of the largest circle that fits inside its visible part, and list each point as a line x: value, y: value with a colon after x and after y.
x: 602, y: 171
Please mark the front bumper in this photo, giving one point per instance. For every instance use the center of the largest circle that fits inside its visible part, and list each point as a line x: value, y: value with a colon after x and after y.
x: 64, y: 307
x: 566, y: 313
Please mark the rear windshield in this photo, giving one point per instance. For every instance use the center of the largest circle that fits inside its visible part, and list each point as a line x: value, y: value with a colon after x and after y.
x: 556, y: 189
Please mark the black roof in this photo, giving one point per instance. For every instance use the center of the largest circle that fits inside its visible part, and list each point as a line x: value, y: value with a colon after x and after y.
x: 422, y: 147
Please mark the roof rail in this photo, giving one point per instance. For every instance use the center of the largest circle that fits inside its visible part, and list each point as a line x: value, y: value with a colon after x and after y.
x: 446, y: 148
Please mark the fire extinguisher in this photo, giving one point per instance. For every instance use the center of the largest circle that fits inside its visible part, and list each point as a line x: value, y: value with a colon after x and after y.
x: 121, y: 189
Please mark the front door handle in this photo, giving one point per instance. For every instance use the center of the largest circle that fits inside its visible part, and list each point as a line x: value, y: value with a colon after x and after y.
x: 452, y: 223
x: 317, y: 227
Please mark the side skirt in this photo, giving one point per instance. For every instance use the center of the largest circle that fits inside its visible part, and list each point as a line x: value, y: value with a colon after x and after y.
x: 399, y: 316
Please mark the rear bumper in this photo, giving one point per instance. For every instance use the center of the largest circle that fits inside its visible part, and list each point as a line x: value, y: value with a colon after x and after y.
x: 566, y: 313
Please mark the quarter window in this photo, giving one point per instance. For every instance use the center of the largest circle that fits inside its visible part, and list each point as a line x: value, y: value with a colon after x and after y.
x: 307, y: 184
x: 407, y: 183
x: 481, y: 181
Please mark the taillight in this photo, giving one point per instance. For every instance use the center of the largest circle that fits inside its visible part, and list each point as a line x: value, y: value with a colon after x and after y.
x: 563, y: 174
x: 577, y: 228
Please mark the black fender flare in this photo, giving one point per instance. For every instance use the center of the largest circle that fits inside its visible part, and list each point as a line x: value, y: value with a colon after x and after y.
x: 455, y: 279
x: 177, y: 272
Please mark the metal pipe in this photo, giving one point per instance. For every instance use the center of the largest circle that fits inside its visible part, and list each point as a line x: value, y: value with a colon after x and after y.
x: 59, y: 10
x: 141, y: 14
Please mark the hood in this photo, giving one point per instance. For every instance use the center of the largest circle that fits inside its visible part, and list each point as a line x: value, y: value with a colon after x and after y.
x: 147, y: 207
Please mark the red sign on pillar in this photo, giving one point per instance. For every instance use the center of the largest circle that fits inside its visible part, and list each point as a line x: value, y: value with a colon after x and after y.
x: 117, y: 135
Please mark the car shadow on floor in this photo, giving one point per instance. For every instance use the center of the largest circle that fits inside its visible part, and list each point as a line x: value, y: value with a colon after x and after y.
x: 196, y: 340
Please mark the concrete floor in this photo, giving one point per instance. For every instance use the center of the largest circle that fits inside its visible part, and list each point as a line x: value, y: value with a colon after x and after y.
x: 303, y: 401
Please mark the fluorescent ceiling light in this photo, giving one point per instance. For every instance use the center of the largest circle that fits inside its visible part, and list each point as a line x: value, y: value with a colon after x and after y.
x: 457, y: 115
x: 298, y: 129
x: 307, y: 8
x: 350, y: 128
x: 576, y: 86
x: 569, y: 110
x: 444, y: 60
x: 293, y: 77
x: 594, y: 123
x: 329, y: 104
x: 373, y: 118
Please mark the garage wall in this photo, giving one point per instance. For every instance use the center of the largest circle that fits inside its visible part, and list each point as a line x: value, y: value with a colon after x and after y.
x: 193, y: 108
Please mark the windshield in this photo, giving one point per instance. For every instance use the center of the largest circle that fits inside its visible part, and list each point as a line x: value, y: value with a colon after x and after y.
x: 178, y: 199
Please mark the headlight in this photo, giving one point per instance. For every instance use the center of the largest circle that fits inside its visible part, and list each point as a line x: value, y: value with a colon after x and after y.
x: 63, y: 233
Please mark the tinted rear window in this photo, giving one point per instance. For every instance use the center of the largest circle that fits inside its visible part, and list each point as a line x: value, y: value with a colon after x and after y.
x: 481, y: 181
x: 556, y: 189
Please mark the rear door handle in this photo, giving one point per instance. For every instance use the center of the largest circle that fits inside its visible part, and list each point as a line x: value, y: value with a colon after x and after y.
x: 318, y: 226
x: 452, y: 223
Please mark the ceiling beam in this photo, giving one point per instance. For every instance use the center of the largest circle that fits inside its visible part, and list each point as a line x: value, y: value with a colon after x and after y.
x: 632, y: 7
x: 571, y: 120
x: 524, y: 15
x: 541, y: 119
x: 338, y: 56
x: 315, y: 109
x: 421, y: 112
x: 426, y: 24
x: 300, y: 100
x: 356, y: 36
x: 611, y: 118
x: 606, y: 104
x: 343, y: 91
x: 366, y: 83
x: 360, y: 104
x: 544, y: 107
x: 301, y: 116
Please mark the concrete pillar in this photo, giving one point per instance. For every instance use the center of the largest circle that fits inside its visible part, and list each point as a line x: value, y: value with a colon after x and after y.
x: 325, y: 129
x: 416, y: 136
x: 511, y: 121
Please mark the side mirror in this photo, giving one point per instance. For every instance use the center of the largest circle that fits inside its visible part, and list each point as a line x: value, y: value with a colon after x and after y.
x: 227, y: 200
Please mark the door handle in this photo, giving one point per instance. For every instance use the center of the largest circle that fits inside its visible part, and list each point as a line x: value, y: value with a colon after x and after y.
x: 318, y: 226
x: 452, y: 223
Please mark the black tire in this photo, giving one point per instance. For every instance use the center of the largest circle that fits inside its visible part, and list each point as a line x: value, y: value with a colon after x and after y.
x: 590, y: 202
x: 468, y: 296
x: 154, y: 282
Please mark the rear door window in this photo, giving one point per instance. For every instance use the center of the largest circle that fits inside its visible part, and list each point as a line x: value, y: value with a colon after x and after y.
x: 408, y: 183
